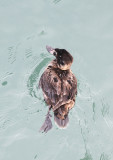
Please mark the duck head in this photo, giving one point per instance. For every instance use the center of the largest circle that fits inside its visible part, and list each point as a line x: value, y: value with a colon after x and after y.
x: 63, y: 58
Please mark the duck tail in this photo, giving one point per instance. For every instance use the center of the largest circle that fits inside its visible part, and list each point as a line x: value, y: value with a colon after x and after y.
x: 61, y: 117
x: 61, y: 123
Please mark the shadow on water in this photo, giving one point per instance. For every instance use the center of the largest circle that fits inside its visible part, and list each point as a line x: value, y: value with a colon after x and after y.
x: 32, y: 80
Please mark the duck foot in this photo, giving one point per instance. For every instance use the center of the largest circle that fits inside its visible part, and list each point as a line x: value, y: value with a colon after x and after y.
x: 47, y: 125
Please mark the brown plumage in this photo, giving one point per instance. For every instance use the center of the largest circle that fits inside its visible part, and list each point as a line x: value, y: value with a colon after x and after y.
x: 59, y: 87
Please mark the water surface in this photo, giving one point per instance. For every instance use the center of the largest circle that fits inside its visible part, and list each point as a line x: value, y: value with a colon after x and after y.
x: 85, y: 29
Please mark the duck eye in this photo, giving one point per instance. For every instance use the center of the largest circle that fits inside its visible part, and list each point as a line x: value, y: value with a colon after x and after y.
x: 54, y: 53
x: 62, y: 63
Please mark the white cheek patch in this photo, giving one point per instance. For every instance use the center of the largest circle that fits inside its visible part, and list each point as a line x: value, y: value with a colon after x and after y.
x: 53, y: 51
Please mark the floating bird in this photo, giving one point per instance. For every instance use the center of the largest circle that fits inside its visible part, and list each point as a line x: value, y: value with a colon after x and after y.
x: 59, y: 86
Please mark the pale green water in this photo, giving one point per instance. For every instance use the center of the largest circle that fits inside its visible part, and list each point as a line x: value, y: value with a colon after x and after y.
x: 83, y: 27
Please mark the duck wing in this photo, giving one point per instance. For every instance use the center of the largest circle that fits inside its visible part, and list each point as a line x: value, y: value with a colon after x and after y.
x: 59, y: 90
x: 69, y: 90
x: 51, y: 85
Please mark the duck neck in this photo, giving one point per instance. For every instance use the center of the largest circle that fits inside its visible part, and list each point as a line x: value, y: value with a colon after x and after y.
x: 64, y: 68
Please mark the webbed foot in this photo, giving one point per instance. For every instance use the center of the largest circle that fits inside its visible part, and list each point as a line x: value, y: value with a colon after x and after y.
x: 47, y: 125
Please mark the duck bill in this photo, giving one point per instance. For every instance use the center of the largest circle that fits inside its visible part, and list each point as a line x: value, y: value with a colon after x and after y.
x: 50, y: 49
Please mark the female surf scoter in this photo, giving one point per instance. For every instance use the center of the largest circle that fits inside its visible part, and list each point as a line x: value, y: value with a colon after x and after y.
x: 59, y: 87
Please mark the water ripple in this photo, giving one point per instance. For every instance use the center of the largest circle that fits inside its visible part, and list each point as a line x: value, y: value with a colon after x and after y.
x: 32, y: 82
x: 56, y: 1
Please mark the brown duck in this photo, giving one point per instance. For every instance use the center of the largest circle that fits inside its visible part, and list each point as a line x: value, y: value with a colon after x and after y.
x: 59, y: 86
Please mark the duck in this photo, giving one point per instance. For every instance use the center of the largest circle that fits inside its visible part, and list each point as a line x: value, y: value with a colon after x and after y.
x: 59, y: 87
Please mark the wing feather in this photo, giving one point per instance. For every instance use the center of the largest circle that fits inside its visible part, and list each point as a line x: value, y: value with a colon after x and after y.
x: 59, y: 91
x: 51, y: 85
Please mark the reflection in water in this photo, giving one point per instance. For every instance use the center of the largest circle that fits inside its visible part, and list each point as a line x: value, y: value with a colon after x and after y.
x: 32, y: 81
